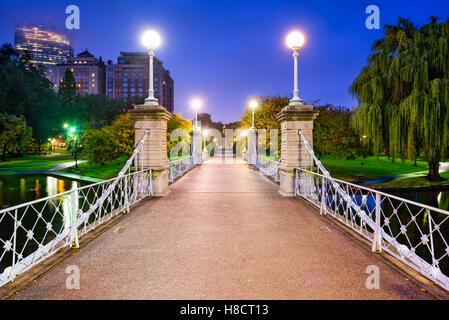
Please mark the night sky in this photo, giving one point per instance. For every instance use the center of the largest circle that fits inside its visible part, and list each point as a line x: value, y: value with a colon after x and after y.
x: 228, y: 51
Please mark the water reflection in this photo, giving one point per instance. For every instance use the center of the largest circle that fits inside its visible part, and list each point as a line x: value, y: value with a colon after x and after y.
x: 43, y: 219
x: 17, y: 189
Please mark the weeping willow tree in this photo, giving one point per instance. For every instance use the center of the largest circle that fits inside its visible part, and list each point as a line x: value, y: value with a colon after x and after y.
x: 403, y: 93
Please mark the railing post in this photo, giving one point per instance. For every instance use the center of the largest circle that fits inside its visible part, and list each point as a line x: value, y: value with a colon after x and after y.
x: 323, y: 196
x: 126, y: 195
x: 377, y: 238
x: 434, y: 267
x: 73, y: 217
x: 12, y: 274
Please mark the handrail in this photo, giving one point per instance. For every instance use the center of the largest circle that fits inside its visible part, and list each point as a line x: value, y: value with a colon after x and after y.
x: 317, y: 188
x: 64, y: 218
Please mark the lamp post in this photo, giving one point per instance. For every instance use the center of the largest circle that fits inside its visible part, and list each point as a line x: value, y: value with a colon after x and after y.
x: 151, y: 40
x: 295, y: 40
x: 253, y: 105
x: 49, y: 144
x: 73, y: 132
x: 196, y: 104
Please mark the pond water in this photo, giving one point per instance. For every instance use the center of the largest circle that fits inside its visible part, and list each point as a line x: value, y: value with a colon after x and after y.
x: 18, y: 189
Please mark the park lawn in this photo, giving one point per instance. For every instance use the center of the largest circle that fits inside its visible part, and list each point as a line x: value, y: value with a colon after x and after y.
x: 97, y: 170
x: 103, y: 172
x: 369, y: 168
x: 418, y: 180
x: 266, y: 156
x: 25, y: 169
x: 35, y: 162
x: 178, y: 157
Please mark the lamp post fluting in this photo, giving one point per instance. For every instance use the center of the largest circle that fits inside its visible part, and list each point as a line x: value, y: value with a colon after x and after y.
x: 295, y: 40
x: 151, y: 40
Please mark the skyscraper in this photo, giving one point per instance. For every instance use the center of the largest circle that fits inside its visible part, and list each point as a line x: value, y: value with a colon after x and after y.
x: 48, y: 45
x: 129, y: 78
x: 88, y: 71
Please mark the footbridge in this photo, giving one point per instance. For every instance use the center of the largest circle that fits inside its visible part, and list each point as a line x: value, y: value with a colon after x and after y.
x: 224, y: 228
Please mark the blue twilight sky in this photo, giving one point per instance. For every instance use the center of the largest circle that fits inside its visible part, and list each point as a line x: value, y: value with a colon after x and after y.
x: 227, y: 51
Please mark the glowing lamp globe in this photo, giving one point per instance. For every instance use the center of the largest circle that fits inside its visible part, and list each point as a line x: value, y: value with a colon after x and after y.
x: 151, y: 39
x: 253, y: 104
x: 295, y: 40
x: 204, y: 133
x: 196, y: 104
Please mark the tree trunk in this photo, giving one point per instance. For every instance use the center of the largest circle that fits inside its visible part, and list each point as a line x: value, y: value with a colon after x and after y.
x: 434, y: 168
x: 4, y: 154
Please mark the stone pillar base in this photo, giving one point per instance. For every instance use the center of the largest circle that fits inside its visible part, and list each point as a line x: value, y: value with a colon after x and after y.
x: 160, y: 183
x: 293, y: 153
x: 287, y: 182
x: 196, y: 146
x: 252, y: 146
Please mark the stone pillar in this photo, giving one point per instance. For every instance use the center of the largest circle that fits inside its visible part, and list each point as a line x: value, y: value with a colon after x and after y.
x: 252, y: 146
x: 154, y: 151
x: 292, y: 119
x: 196, y: 146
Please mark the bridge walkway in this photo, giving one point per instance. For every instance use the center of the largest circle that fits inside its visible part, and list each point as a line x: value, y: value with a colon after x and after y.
x: 223, y: 233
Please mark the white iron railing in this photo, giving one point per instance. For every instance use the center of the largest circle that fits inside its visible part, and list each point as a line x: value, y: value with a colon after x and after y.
x: 268, y: 167
x: 179, y: 168
x: 414, y: 233
x: 32, y: 232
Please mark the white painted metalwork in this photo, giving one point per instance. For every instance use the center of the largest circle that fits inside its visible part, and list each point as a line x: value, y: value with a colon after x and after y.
x: 268, y: 167
x: 32, y: 232
x: 414, y: 233
x: 179, y: 168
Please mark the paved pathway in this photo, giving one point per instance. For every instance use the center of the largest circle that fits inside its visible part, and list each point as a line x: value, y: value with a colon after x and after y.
x: 223, y: 233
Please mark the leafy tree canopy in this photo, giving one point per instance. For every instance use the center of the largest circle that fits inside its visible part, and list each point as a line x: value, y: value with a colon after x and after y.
x: 403, y: 93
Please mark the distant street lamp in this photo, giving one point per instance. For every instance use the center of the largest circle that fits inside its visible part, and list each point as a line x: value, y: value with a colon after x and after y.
x: 196, y: 104
x: 151, y: 40
x: 65, y: 125
x: 295, y: 40
x: 253, y: 105
x: 49, y: 145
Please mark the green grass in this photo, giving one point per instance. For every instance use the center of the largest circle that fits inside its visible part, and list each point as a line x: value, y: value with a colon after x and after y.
x: 97, y: 170
x: 418, y: 180
x: 178, y: 157
x: 103, y: 172
x: 35, y: 162
x: 369, y: 167
x: 265, y: 156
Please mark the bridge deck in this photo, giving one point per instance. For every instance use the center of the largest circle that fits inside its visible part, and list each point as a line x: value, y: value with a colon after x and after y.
x: 223, y: 233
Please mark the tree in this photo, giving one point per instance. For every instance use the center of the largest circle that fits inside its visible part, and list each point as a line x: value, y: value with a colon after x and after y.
x: 178, y: 122
x: 102, y: 146
x: 333, y: 133
x: 265, y: 116
x: 26, y: 92
x: 14, y: 134
x: 403, y: 93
